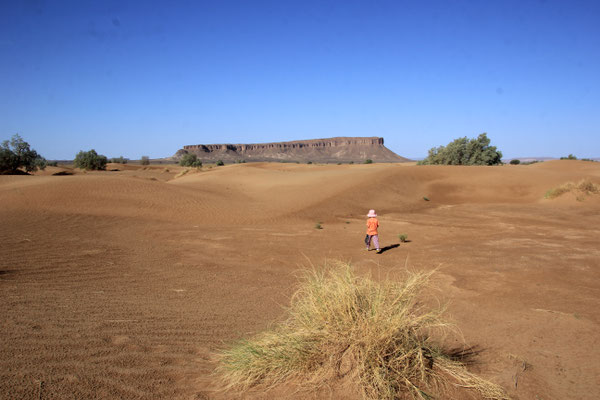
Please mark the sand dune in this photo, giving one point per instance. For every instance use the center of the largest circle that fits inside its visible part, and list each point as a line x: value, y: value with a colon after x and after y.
x: 120, y: 284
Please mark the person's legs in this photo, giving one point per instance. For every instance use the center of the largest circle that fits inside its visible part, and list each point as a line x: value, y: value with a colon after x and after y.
x: 367, y: 241
x: 375, y: 239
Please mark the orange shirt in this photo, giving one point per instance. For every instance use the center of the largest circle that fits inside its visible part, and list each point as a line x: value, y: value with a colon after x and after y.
x: 372, y: 224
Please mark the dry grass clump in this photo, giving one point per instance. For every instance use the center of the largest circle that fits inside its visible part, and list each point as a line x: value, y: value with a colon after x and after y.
x: 584, y: 187
x: 342, y: 325
x: 182, y: 173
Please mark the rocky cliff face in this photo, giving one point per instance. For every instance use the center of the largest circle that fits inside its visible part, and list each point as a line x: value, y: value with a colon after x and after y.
x: 338, y: 149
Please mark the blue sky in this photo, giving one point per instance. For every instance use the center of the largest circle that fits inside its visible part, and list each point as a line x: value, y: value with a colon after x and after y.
x: 139, y: 78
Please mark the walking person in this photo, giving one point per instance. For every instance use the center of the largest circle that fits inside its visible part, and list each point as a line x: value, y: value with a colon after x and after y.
x: 372, y: 235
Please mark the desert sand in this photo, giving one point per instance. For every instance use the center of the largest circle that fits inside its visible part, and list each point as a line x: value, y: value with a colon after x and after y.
x: 122, y: 284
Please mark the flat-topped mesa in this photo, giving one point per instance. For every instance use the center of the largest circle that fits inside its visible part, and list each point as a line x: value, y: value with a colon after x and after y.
x: 338, y: 149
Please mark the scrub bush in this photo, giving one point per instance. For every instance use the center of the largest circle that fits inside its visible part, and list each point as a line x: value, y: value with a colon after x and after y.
x: 190, y: 160
x: 463, y: 151
x: 90, y: 160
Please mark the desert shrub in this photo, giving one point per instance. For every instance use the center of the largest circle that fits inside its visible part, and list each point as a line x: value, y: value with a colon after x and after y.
x: 90, y: 160
x: 588, y: 187
x: 515, y: 162
x: 190, y: 160
x: 16, y: 154
x: 425, y: 198
x: 582, y: 188
x: 569, y: 157
x: 368, y: 161
x: 52, y: 163
x: 402, y: 237
x: 220, y: 163
x: 318, y: 225
x: 145, y: 160
x: 310, y: 162
x: 119, y: 160
x: 351, y: 162
x: 463, y: 151
x: 378, y: 333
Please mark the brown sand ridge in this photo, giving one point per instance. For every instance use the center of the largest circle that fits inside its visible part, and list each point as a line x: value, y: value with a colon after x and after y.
x: 331, y: 150
x: 122, y: 284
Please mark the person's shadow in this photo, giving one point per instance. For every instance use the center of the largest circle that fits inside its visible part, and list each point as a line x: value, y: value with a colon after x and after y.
x: 391, y: 246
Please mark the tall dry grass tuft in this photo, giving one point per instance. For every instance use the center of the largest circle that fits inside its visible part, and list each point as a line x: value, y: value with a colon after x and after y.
x: 344, y: 325
x: 584, y: 187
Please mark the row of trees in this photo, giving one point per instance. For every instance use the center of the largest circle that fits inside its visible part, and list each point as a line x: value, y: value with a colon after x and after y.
x: 90, y: 160
x: 16, y: 156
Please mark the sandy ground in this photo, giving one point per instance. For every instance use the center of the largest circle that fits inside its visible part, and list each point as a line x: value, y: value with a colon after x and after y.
x: 122, y: 284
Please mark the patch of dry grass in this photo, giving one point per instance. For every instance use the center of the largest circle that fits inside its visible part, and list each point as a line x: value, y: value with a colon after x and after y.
x: 582, y: 188
x: 344, y: 325
x: 182, y: 173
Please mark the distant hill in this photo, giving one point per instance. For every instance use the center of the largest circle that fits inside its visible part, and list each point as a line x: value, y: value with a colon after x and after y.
x: 337, y: 149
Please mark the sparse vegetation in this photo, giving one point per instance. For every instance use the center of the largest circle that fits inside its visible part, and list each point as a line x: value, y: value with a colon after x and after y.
x: 119, y: 160
x: 402, y: 237
x: 90, y: 161
x: 515, y: 162
x: 569, y: 157
x: 425, y: 198
x: 310, y: 162
x: 15, y: 154
x: 351, y: 162
x: 368, y: 161
x: 52, y: 164
x: 581, y: 189
x: 145, y: 160
x: 182, y: 173
x: 378, y: 333
x: 220, y: 163
x: 318, y: 225
x: 190, y: 160
x: 463, y: 151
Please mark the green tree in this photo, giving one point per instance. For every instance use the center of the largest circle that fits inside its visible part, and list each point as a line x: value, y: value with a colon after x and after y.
x: 145, y: 160
x: 463, y: 151
x: 190, y: 160
x: 515, y: 161
x: 16, y: 154
x: 90, y: 160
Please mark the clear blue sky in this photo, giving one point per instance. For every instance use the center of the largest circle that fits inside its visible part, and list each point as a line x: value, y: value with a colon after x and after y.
x: 139, y: 78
